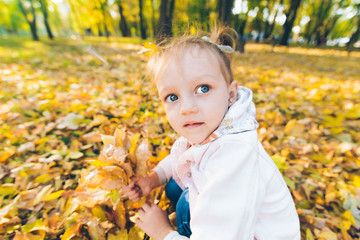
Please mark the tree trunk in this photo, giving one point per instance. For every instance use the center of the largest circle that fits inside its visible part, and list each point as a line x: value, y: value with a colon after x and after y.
x: 100, y: 34
x: 163, y: 28
x: 309, y: 30
x: 354, y: 37
x: 308, y: 34
x: 267, y: 22
x: 142, y: 24
x: 319, y: 28
x: 165, y: 20
x: 123, y: 24
x: 220, y: 7
x: 289, y: 23
x: 269, y: 28
x: 329, y: 27
x: 204, y: 15
x: 318, y: 38
x: 31, y: 23
x: 103, y: 6
x: 107, y: 32
x: 242, y: 39
x: 171, y: 11
x: 33, y: 29
x: 43, y: 7
x: 257, y: 40
x: 48, y: 29
x: 224, y: 8
x: 153, y: 21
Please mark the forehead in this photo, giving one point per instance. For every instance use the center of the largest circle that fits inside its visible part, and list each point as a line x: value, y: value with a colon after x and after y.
x: 190, y: 62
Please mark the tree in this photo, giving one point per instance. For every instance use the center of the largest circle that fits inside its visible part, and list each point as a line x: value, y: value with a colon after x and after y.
x: 224, y: 9
x: 200, y: 10
x: 322, y: 14
x: 153, y: 20
x: 309, y: 29
x: 356, y: 34
x: 123, y: 23
x: 323, y: 20
x: 270, y: 24
x: 328, y: 27
x: 11, y: 19
x: 289, y: 22
x: 43, y: 8
x: 240, y: 24
x: 75, y: 17
x: 30, y: 17
x: 104, y: 12
x: 241, y: 21
x: 165, y: 20
x: 142, y: 23
x: 258, y: 22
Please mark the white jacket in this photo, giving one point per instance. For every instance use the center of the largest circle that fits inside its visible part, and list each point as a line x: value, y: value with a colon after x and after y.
x: 235, y: 189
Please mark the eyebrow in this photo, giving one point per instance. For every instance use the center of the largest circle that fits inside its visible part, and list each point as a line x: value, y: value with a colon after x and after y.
x: 196, y: 79
x: 166, y: 91
x: 206, y: 75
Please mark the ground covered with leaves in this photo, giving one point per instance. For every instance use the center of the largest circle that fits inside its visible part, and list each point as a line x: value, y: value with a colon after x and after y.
x: 78, y: 119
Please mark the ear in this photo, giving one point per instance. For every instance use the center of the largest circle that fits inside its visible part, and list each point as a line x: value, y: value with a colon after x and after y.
x: 233, y: 88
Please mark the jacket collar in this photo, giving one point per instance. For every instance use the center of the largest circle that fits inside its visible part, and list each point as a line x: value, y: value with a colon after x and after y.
x: 239, y: 118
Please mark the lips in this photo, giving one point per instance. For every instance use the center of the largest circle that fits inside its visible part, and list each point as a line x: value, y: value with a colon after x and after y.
x: 193, y: 124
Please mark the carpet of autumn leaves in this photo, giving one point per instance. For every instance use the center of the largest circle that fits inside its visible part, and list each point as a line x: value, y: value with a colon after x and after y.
x: 60, y: 102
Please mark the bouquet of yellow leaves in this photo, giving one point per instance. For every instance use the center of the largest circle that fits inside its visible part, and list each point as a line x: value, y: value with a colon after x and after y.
x: 105, y: 212
x: 120, y: 159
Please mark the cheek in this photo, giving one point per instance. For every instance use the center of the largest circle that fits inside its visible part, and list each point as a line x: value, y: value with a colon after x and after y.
x: 217, y: 110
x: 216, y: 105
x: 171, y: 116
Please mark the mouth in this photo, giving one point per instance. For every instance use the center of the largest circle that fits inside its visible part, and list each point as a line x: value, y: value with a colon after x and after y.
x: 193, y: 124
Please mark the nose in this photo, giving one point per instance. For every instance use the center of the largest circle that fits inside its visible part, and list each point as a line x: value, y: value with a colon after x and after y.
x: 188, y: 106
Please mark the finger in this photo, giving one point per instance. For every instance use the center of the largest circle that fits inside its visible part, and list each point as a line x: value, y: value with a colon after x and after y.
x: 129, y: 193
x: 145, y: 206
x: 141, y: 213
x: 125, y: 189
x: 133, y: 179
x: 153, y: 205
x: 134, y: 190
x: 135, y: 199
x: 129, y: 187
x: 139, y: 222
x: 135, y: 196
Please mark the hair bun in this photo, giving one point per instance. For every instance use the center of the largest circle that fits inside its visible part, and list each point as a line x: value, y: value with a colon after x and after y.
x: 224, y: 36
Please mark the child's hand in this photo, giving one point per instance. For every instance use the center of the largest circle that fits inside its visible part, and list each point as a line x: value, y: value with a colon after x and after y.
x: 138, y: 188
x: 154, y: 221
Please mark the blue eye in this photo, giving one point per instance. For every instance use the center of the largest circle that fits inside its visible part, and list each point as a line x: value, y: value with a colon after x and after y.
x: 203, y: 89
x: 171, y: 98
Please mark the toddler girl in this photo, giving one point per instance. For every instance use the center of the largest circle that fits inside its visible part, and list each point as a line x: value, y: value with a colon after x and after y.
x: 226, y: 186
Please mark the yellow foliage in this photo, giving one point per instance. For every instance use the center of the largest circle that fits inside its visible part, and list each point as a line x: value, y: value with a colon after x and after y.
x: 53, y: 196
x: 120, y: 215
x: 71, y: 231
x: 73, y: 132
x: 121, y: 234
x: 356, y: 181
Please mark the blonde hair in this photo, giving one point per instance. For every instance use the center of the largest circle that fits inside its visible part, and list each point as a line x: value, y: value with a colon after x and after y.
x: 173, y: 48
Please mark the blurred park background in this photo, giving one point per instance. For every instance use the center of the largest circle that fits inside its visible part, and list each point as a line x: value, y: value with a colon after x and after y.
x: 314, y: 23
x: 71, y: 74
